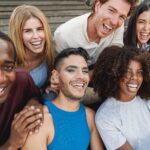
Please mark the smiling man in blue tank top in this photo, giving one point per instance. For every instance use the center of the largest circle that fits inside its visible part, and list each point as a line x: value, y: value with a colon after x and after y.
x: 69, y: 125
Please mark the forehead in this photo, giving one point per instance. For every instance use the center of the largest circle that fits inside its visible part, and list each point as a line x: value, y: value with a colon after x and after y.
x: 122, y: 6
x: 6, y: 50
x: 32, y: 21
x: 134, y: 64
x: 73, y: 60
x: 145, y: 15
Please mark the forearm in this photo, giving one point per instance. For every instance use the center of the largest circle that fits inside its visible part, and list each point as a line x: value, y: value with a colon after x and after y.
x: 34, y: 101
x: 9, y: 146
x: 126, y: 146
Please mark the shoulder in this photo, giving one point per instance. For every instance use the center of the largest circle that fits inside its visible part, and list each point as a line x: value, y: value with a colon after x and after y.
x: 25, y: 81
x: 70, y: 25
x: 44, y: 136
x: 22, y: 75
x: 108, y: 111
x: 90, y: 115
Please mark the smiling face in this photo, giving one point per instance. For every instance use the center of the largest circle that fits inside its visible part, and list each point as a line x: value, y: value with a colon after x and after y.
x: 131, y: 82
x: 34, y: 36
x: 109, y: 16
x: 73, y: 77
x: 7, y: 71
x: 143, y: 27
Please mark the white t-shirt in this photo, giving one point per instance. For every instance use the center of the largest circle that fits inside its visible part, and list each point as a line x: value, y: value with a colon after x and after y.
x: 118, y: 122
x: 73, y: 34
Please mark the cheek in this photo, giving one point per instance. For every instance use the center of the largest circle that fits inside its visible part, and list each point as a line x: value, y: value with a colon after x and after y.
x: 12, y: 77
x: 140, y: 80
x: 25, y: 38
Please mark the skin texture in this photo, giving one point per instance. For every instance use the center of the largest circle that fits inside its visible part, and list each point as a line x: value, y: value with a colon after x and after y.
x: 7, y: 71
x: 131, y: 82
x: 143, y: 27
x: 106, y: 18
x: 34, y: 36
x: 30, y: 118
x: 73, y: 79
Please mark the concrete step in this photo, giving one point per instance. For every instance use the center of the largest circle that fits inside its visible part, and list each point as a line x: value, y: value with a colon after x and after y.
x: 57, y: 11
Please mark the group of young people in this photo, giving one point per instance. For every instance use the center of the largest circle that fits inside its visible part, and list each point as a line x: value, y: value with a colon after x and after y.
x: 30, y: 59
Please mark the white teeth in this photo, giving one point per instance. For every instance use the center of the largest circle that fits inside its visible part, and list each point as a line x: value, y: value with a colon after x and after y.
x: 144, y: 34
x: 78, y: 84
x: 107, y: 27
x: 36, y: 43
x: 1, y: 89
x: 132, y: 85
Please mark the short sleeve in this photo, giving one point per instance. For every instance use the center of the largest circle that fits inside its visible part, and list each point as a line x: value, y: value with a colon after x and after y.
x: 59, y: 39
x: 108, y: 130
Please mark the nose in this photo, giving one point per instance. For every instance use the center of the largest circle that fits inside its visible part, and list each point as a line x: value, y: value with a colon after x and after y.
x: 135, y: 76
x: 115, y: 21
x: 147, y: 26
x: 35, y: 34
x: 2, y: 77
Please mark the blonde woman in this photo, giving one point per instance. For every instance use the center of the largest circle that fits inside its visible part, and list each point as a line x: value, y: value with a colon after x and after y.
x: 31, y: 34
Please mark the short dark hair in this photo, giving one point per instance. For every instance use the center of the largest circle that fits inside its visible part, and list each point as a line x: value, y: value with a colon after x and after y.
x: 130, y: 38
x: 70, y: 51
x: 111, y: 67
x: 6, y: 38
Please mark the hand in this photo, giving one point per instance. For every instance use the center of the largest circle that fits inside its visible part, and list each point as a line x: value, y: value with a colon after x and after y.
x: 25, y: 122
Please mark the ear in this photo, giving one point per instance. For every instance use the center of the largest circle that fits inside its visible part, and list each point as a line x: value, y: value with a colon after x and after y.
x: 97, y: 5
x: 55, y: 77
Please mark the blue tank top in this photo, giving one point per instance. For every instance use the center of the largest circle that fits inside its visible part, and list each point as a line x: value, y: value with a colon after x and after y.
x: 71, y: 129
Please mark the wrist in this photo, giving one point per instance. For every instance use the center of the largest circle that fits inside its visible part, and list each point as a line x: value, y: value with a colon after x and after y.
x: 12, y: 145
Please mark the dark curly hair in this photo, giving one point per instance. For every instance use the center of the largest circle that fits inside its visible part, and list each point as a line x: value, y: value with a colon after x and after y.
x: 111, y: 67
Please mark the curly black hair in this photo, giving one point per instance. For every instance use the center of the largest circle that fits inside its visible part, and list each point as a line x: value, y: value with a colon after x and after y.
x: 111, y: 67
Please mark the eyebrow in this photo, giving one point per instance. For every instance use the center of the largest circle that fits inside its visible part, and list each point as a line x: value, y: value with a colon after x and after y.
x: 117, y: 11
x: 72, y: 66
x: 9, y: 62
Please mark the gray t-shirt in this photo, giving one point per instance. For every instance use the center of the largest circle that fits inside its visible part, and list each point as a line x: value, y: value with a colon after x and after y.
x: 118, y: 122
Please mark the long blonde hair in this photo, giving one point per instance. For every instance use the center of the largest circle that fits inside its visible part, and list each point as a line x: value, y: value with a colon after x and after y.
x: 16, y: 23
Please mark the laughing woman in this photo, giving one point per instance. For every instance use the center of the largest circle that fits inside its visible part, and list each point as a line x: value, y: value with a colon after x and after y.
x: 124, y: 84
x: 30, y: 32
x: 138, y: 31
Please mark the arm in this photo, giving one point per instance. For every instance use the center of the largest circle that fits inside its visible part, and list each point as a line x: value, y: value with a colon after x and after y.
x: 23, y: 124
x: 95, y: 140
x: 108, y: 126
x: 40, y: 140
x: 126, y: 146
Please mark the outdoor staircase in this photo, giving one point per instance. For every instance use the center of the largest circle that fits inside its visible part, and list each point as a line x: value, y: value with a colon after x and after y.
x: 56, y: 11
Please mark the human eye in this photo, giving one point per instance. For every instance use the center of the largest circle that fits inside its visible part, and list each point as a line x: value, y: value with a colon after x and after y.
x: 123, y: 18
x: 111, y: 10
x: 140, y: 73
x: 70, y: 69
x: 128, y: 73
x: 85, y: 71
x: 8, y: 68
x: 27, y: 30
x: 140, y: 21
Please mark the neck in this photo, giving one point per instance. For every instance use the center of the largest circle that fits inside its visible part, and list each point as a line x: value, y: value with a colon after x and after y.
x: 67, y: 104
x: 32, y: 60
x: 91, y: 31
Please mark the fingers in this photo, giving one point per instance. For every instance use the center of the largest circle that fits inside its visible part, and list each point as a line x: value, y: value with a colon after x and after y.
x: 28, y: 119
